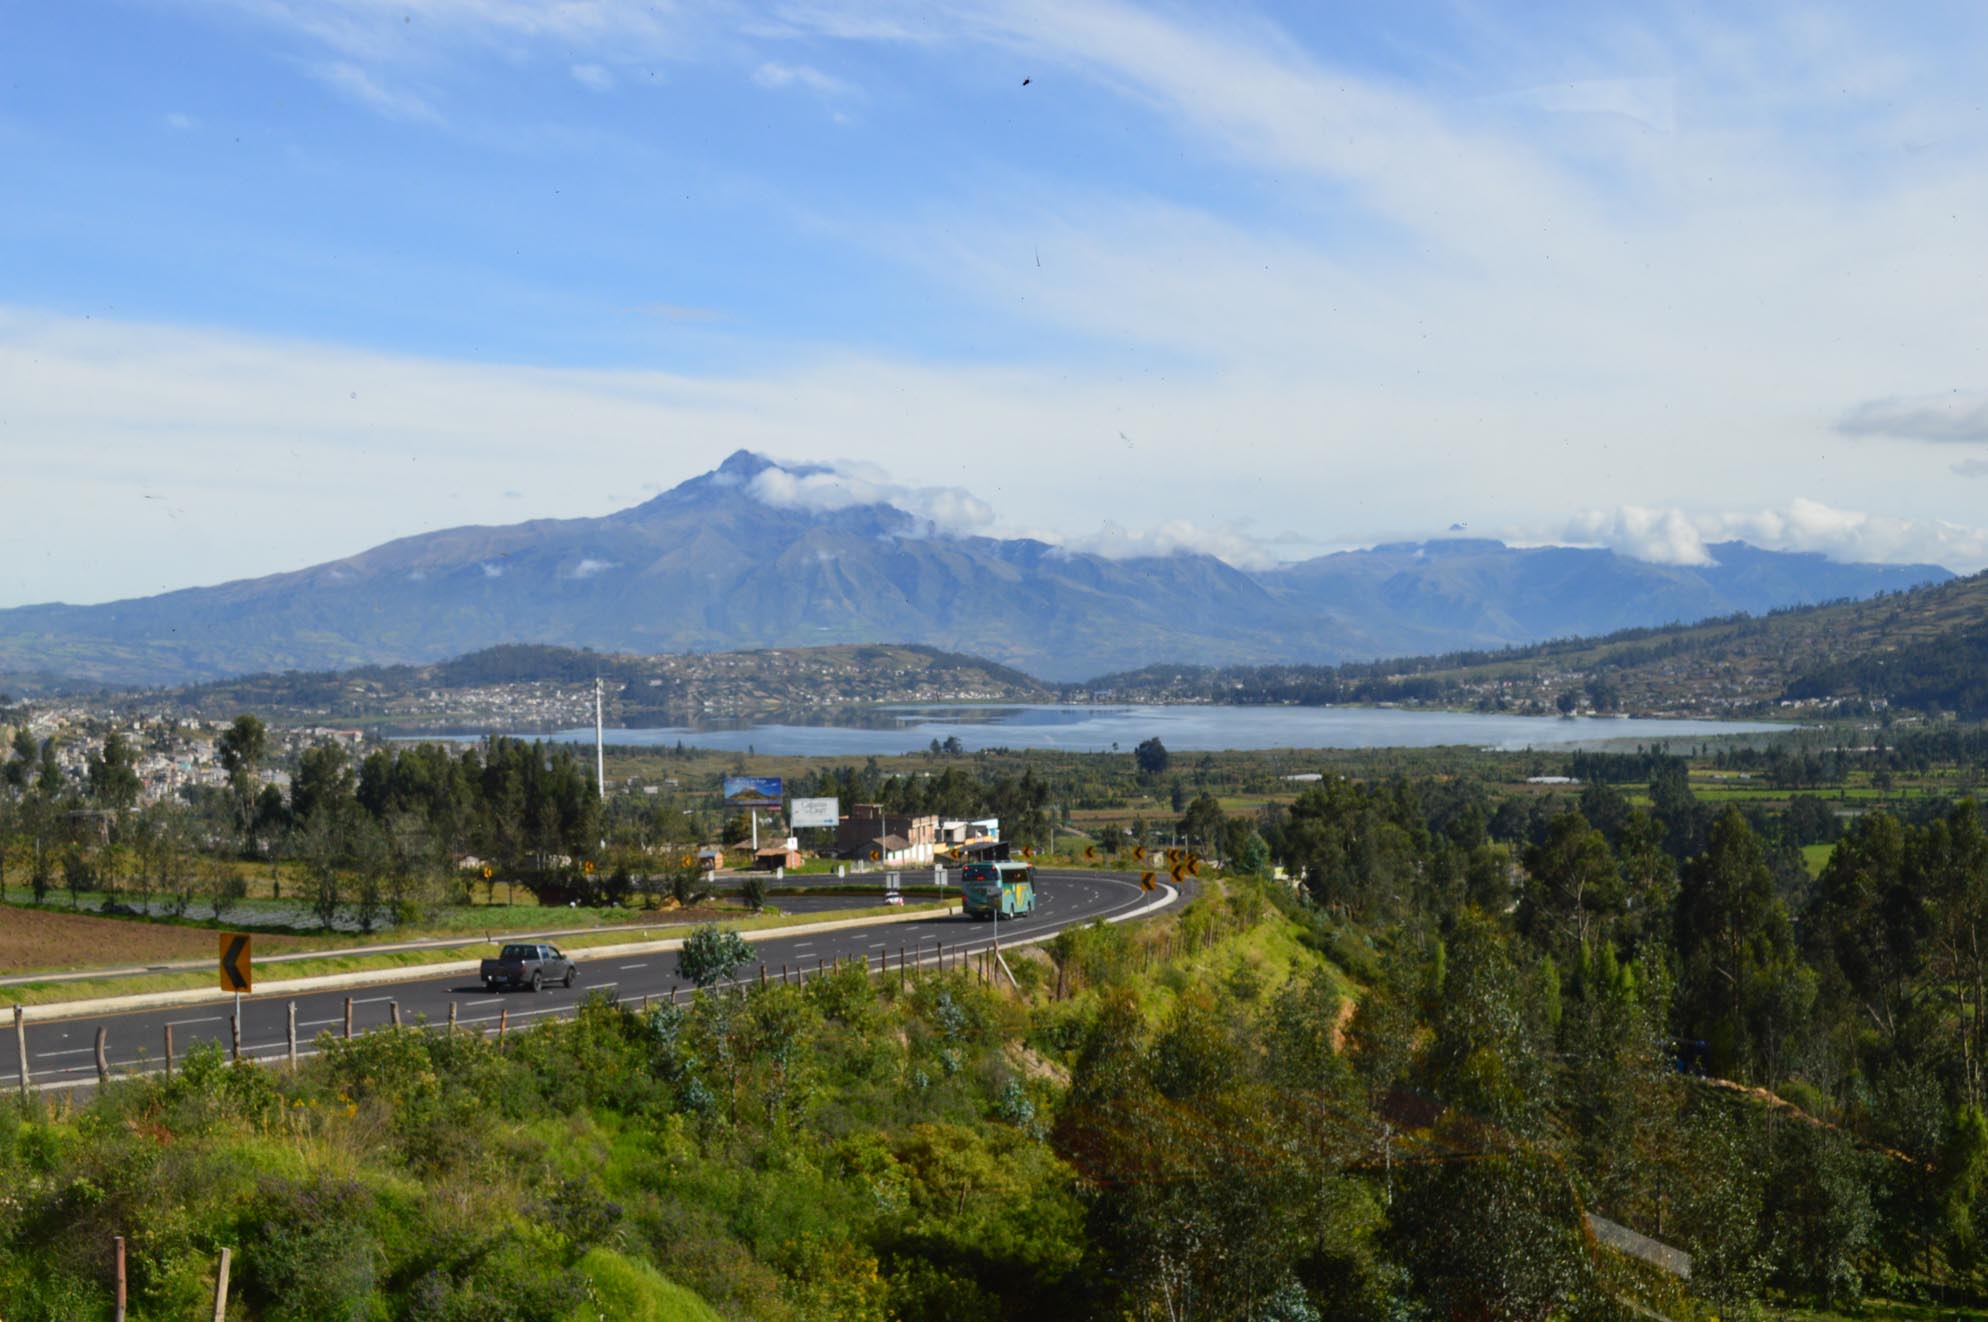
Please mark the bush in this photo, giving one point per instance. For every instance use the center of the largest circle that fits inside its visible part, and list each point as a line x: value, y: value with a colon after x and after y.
x: 711, y: 955
x: 308, y: 1251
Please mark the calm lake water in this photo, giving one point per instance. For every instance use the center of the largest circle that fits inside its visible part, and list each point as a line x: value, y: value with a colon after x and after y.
x: 907, y: 729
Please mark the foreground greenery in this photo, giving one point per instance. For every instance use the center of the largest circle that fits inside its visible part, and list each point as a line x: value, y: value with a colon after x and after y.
x: 1749, y: 1026
x: 1182, y: 1119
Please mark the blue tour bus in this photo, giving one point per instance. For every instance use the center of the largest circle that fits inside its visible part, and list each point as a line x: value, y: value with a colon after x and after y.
x: 1006, y: 888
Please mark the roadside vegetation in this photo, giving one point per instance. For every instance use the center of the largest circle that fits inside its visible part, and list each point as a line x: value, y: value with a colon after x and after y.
x: 1493, y: 1028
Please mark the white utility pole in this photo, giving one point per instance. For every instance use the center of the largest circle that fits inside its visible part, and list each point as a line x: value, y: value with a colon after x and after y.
x: 600, y: 749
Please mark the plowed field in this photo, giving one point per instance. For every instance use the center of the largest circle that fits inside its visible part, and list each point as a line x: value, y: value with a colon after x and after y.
x: 33, y: 940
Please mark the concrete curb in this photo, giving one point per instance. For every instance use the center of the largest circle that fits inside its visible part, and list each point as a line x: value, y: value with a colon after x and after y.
x: 421, y: 972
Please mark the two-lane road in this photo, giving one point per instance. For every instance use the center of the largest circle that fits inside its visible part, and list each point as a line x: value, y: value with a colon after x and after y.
x: 63, y: 1052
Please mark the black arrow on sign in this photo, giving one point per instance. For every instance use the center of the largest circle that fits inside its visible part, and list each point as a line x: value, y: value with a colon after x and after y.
x: 233, y: 968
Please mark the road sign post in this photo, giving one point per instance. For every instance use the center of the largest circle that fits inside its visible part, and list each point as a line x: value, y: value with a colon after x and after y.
x: 236, y: 973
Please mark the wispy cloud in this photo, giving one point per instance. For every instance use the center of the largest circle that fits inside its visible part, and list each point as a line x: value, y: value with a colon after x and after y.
x: 1170, y: 537
x: 1959, y: 415
x: 594, y: 77
x: 356, y: 84
x: 775, y: 75
x: 180, y: 122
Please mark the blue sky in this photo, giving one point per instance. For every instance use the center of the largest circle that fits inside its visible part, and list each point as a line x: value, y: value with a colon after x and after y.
x: 283, y: 278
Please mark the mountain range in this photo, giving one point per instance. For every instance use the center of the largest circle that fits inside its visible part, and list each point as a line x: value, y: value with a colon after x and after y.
x: 723, y: 561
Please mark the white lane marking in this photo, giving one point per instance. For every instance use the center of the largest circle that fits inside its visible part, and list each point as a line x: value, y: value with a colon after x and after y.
x: 625, y: 967
x: 370, y: 1000
x: 73, y: 1051
x: 494, y: 1000
x: 181, y: 1023
x: 318, y: 1023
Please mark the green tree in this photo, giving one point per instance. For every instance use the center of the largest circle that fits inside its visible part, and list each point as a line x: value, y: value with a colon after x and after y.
x: 49, y: 780
x: 167, y: 864
x: 1741, y: 987
x: 240, y: 750
x: 1867, y: 925
x: 324, y: 780
x: 1204, y: 822
x: 19, y: 771
x: 711, y: 955
x: 1573, y: 890
x: 113, y: 775
x: 1151, y: 757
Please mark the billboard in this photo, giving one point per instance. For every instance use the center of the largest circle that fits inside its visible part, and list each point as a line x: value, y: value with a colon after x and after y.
x: 814, y: 812
x: 753, y: 791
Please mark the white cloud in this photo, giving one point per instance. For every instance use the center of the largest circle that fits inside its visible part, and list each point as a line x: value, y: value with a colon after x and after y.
x: 1971, y: 468
x: 588, y: 567
x: 1678, y: 537
x: 775, y: 75
x: 492, y: 571
x: 1664, y: 537
x: 595, y: 77
x: 181, y: 122
x: 1116, y: 542
x: 845, y: 484
x: 358, y: 85
x: 1958, y: 415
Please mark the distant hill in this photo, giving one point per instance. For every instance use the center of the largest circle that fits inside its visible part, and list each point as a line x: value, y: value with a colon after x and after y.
x: 718, y: 563
x: 1922, y: 651
x: 519, y: 687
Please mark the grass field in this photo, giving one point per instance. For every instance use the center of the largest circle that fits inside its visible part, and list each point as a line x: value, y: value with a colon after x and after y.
x: 1816, y: 857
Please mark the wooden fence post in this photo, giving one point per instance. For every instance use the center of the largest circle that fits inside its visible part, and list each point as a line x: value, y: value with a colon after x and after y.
x: 221, y: 1287
x: 503, y: 1022
x: 103, y: 1060
x: 21, y: 1043
x: 393, y: 1012
x: 169, y: 1051
x: 117, y: 1252
x: 292, y: 1035
x: 348, y: 1019
x: 762, y: 977
x: 452, y: 1014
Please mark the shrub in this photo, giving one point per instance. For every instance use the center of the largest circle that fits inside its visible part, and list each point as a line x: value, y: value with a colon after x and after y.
x: 711, y: 955
x: 308, y: 1251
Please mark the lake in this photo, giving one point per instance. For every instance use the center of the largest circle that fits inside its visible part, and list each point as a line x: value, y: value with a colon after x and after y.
x: 1088, y: 729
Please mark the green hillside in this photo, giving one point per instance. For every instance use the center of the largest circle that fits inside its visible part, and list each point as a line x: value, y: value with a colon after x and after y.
x: 1924, y: 650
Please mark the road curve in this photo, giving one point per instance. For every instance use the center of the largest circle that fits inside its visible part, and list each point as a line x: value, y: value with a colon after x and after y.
x: 62, y: 1053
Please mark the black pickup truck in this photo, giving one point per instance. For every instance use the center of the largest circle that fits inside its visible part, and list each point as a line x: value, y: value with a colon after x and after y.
x: 528, y: 966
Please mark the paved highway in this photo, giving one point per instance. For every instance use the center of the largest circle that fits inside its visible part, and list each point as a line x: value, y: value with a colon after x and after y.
x: 63, y: 1052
